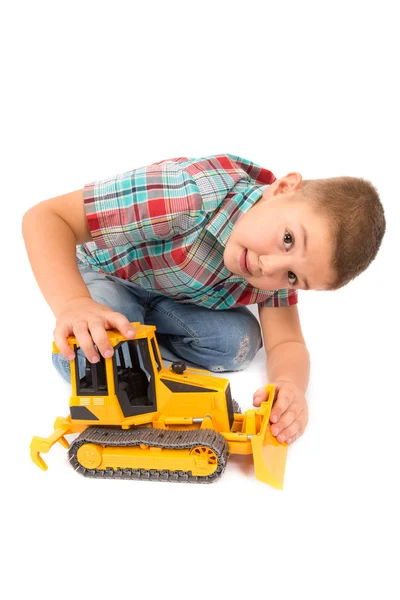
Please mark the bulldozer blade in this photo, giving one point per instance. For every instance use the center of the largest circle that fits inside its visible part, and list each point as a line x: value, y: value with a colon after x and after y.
x: 269, y: 455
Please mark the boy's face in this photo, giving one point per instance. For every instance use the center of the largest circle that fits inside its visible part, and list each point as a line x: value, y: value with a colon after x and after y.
x: 281, y: 242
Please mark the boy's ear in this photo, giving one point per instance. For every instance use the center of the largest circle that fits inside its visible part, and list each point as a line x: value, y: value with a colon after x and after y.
x: 290, y: 183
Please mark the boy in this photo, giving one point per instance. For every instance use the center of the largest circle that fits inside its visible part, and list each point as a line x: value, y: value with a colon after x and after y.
x: 185, y: 244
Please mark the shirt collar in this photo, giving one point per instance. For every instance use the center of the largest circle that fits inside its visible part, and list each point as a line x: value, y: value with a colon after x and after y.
x: 222, y: 223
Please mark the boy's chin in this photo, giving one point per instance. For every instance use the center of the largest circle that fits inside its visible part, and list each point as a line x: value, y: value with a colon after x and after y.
x: 231, y: 267
x: 225, y: 260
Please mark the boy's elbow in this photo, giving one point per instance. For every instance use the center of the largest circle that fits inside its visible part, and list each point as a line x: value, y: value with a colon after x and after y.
x: 59, y: 217
x: 28, y: 218
x: 32, y: 219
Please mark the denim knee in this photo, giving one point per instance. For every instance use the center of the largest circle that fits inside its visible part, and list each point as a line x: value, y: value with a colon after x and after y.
x: 240, y: 353
x: 231, y: 346
x: 62, y: 364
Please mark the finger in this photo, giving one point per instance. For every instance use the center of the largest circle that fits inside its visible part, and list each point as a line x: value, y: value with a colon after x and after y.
x: 289, y: 432
x: 288, y: 417
x: 281, y: 404
x: 118, y: 321
x: 294, y: 437
x: 85, y: 341
x: 303, y: 418
x: 100, y: 338
x: 297, y: 426
x: 259, y: 396
x: 60, y: 334
x: 113, y: 320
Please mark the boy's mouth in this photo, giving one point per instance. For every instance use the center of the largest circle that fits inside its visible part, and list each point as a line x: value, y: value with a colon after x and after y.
x: 243, y: 263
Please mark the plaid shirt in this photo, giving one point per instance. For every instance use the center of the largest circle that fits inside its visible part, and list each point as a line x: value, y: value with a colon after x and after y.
x: 165, y: 228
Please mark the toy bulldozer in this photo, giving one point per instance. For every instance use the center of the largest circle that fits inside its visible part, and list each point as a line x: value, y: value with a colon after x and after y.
x: 139, y: 420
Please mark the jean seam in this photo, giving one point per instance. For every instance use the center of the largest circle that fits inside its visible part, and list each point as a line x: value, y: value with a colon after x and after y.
x: 172, y: 317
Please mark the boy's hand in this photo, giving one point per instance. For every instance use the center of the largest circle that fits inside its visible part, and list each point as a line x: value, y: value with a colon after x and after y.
x: 88, y: 321
x: 289, y: 414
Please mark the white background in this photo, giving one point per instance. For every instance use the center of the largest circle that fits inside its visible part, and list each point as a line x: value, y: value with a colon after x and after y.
x: 91, y: 89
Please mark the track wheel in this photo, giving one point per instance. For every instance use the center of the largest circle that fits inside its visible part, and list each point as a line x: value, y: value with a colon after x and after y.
x: 90, y: 455
x: 206, y: 459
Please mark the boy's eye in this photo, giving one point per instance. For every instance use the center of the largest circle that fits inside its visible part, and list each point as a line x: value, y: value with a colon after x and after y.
x: 288, y: 240
x: 292, y: 278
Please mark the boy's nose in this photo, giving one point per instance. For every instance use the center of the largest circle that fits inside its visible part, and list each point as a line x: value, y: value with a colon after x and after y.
x: 268, y: 265
x: 275, y: 264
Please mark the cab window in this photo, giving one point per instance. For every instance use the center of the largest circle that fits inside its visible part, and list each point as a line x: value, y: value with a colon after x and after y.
x: 91, y: 378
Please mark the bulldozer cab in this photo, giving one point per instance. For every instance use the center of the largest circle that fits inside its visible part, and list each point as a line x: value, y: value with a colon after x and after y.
x: 134, y: 366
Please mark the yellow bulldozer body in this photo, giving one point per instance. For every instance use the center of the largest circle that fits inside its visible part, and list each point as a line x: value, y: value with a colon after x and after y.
x: 132, y: 392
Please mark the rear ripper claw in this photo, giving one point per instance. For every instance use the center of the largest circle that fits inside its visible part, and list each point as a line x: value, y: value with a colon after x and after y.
x: 39, y: 444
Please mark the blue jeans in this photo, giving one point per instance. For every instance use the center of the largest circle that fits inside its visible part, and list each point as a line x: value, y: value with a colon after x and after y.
x: 216, y: 340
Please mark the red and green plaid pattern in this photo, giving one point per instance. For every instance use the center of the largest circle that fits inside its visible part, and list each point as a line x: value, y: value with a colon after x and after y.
x: 165, y: 227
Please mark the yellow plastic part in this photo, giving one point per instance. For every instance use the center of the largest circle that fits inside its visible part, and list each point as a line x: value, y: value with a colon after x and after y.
x: 193, y: 399
x: 201, y: 461
x: 90, y: 455
x: 38, y: 444
x: 251, y: 434
x: 269, y: 455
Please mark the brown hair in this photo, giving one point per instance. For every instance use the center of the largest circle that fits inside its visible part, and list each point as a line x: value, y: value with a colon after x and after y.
x: 356, y: 218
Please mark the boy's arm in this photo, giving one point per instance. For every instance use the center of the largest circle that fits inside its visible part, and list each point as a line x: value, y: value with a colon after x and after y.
x: 51, y: 231
x: 287, y: 355
x: 288, y: 366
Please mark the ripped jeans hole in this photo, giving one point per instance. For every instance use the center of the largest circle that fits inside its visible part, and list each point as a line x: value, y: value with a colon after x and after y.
x: 243, y: 351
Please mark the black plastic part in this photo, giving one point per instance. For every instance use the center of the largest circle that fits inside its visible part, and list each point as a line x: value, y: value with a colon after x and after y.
x: 178, y: 386
x: 81, y: 413
x: 178, y: 366
x: 229, y: 405
x: 93, y: 382
x: 135, y: 392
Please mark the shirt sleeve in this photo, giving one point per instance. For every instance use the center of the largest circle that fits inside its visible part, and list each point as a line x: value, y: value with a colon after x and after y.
x: 155, y: 202
x: 281, y: 298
